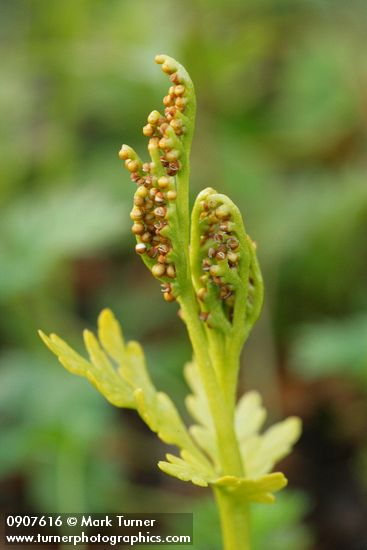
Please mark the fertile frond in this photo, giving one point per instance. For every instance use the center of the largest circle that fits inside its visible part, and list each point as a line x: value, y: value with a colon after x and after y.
x: 160, y: 212
x: 224, y: 266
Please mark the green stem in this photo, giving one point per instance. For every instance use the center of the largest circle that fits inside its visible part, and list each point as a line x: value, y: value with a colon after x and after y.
x: 225, y: 357
x: 235, y: 521
x: 231, y: 367
x: 234, y: 513
x: 230, y: 457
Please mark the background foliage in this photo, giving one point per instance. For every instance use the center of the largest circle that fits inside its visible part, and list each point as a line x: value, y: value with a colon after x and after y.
x: 281, y: 127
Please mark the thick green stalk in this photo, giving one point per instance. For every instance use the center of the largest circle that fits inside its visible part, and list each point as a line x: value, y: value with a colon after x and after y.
x: 235, y: 520
x: 230, y: 457
x: 225, y: 357
x: 234, y: 514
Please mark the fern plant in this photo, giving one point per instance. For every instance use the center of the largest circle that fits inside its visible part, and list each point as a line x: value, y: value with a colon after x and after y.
x: 209, y: 266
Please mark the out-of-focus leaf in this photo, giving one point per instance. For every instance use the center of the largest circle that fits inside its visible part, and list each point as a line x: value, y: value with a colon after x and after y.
x: 41, y: 229
x: 332, y: 347
x: 48, y: 437
x: 280, y: 527
x: 318, y: 100
x: 26, y: 396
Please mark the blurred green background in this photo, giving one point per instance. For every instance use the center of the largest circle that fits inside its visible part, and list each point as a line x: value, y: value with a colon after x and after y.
x: 282, y: 119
